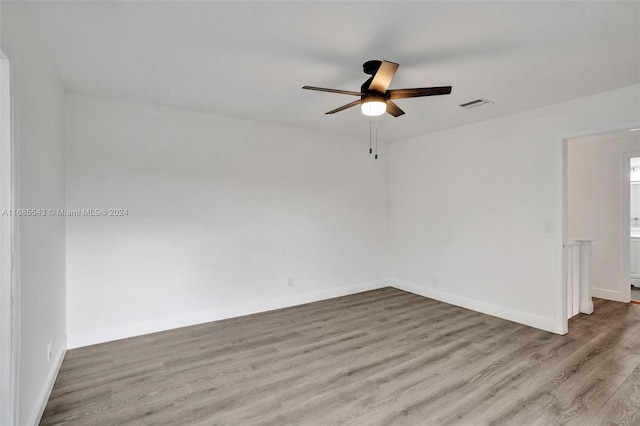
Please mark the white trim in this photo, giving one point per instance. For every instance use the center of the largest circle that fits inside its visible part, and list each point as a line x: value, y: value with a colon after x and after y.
x: 601, y: 130
x: 532, y: 320
x: 601, y: 293
x: 9, y: 320
x: 130, y: 330
x: 586, y: 307
x: 45, y: 393
x: 626, y: 224
x: 560, y: 255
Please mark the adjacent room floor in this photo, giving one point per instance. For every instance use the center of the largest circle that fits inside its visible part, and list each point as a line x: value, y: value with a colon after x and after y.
x: 383, y: 357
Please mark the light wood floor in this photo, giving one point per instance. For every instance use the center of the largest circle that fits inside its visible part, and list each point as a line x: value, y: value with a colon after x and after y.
x: 383, y: 357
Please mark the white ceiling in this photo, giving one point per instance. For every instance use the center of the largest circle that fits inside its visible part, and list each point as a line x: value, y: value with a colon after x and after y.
x: 250, y: 59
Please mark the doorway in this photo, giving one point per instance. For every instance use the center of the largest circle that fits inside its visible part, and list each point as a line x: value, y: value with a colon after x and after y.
x: 598, y: 207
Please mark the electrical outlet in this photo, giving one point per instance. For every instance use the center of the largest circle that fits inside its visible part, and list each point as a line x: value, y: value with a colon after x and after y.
x: 48, y: 351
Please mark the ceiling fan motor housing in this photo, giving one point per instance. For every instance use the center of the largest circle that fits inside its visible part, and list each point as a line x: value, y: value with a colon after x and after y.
x: 373, y: 97
x: 371, y: 67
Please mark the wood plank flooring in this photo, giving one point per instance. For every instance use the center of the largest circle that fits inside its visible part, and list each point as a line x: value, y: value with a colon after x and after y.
x: 384, y: 357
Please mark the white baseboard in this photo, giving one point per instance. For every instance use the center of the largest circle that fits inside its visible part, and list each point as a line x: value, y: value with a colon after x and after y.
x: 543, y: 323
x: 41, y: 402
x: 130, y: 330
x: 601, y: 293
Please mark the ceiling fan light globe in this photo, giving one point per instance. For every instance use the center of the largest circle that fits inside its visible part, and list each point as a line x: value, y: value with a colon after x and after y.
x: 373, y: 108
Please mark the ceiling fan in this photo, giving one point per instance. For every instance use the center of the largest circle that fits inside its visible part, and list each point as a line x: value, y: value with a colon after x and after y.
x: 375, y: 98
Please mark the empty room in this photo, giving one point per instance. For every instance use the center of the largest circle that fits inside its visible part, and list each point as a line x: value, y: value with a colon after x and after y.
x: 317, y: 213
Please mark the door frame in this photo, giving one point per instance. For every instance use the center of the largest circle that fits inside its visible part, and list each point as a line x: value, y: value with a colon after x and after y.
x: 562, y: 212
x: 626, y: 221
x: 9, y: 281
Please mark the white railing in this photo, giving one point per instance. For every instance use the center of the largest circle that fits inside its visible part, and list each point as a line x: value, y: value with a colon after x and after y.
x: 579, y: 277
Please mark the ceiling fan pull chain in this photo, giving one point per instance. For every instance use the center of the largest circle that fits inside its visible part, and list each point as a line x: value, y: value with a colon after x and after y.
x: 370, y: 150
x: 376, y: 157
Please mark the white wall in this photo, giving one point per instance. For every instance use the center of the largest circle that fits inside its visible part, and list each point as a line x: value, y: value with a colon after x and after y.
x: 221, y: 214
x: 595, y: 178
x: 38, y: 107
x: 473, y: 208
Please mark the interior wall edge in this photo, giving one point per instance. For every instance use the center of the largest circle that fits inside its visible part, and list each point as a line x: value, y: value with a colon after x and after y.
x: 47, y: 386
x: 138, y: 329
x: 552, y: 325
x: 37, y: 107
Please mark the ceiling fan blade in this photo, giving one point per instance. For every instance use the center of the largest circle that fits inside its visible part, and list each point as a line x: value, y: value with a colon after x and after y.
x: 383, y: 77
x: 343, y: 107
x: 342, y: 92
x: 418, y: 92
x: 394, y: 109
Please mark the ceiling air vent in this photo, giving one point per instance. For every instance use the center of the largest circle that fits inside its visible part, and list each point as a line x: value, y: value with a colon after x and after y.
x: 476, y: 103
